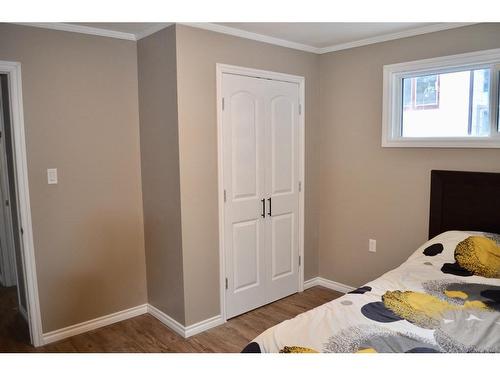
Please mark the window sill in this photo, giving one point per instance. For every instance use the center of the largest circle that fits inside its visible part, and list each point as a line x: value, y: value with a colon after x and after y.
x: 442, y: 142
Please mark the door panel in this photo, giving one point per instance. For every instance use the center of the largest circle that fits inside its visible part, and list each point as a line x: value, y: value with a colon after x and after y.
x: 282, y: 245
x: 246, y: 255
x: 243, y: 136
x: 282, y: 135
x: 244, y: 144
x: 282, y: 143
x: 260, y: 161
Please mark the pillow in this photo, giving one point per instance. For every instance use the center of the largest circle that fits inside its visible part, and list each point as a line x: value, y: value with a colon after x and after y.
x: 479, y: 255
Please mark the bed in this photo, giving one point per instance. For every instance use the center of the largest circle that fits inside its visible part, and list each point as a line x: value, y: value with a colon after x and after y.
x: 444, y: 298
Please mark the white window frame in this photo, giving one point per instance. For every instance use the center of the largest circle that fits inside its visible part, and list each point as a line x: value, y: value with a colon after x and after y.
x: 393, y: 96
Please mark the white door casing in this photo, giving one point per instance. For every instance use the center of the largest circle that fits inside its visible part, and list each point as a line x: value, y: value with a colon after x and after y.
x: 260, y: 169
x: 13, y: 71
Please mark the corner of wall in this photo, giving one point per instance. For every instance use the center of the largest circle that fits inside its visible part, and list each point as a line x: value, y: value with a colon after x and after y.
x: 157, y: 67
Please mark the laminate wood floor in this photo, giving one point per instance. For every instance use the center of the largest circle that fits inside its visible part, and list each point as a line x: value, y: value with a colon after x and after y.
x: 146, y: 334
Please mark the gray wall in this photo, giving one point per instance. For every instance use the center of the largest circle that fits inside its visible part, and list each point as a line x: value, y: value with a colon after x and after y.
x: 81, y: 116
x: 198, y: 51
x: 372, y: 192
x: 156, y: 57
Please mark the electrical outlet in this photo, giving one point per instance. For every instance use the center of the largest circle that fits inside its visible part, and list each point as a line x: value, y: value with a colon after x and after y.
x: 372, y: 246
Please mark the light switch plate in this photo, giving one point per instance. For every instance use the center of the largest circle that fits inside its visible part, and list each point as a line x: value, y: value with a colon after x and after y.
x: 52, y: 176
x: 372, y: 246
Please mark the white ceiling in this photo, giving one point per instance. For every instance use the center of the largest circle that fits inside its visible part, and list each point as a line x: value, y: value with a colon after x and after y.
x: 325, y: 34
x: 136, y: 28
x: 318, y: 37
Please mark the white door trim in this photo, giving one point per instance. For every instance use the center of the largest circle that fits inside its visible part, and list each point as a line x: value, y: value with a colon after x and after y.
x: 13, y: 70
x: 256, y: 73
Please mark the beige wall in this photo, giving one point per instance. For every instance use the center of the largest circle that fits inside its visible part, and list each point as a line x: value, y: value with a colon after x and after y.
x: 197, y: 53
x: 81, y: 116
x: 156, y: 56
x: 372, y: 192
x: 82, y: 105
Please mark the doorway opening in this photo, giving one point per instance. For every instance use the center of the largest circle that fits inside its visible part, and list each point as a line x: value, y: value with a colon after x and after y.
x: 14, y: 320
x: 19, y: 302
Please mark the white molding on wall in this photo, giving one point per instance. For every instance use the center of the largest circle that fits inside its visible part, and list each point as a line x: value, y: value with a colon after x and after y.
x: 311, y: 282
x: 334, y: 285
x: 80, y: 29
x: 252, y: 36
x: 170, y: 322
x: 321, y: 50
x: 394, y: 36
x: 13, y: 70
x: 95, y: 30
x: 247, y: 34
x: 204, y: 325
x: 185, y: 331
x: 90, y: 325
x: 152, y: 30
x: 174, y: 325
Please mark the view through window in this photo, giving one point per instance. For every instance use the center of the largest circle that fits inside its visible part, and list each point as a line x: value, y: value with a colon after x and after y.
x: 452, y: 104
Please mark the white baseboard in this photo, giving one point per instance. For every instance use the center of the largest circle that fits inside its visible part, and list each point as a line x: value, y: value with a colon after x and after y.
x: 199, y: 327
x: 311, y: 282
x: 170, y: 322
x: 320, y: 281
x: 182, y: 330
x: 90, y: 325
x: 174, y: 325
x: 102, y: 321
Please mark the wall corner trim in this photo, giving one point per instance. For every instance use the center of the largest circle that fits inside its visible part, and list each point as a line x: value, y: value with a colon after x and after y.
x: 174, y: 325
x: 185, y: 331
x: 90, y: 325
x: 330, y: 284
x: 167, y: 320
x: 80, y: 29
x: 321, y: 50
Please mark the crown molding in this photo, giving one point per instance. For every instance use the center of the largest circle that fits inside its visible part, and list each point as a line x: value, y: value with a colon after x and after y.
x: 153, y: 29
x: 321, y: 50
x: 80, y: 29
x: 249, y: 35
x: 393, y: 36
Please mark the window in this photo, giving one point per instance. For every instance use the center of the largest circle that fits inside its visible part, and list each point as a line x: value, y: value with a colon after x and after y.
x: 444, y: 102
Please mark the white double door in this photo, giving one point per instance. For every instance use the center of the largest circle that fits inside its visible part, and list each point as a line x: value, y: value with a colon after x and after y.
x: 260, y: 122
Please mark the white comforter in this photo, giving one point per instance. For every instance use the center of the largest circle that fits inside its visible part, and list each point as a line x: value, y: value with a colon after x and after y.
x: 359, y: 322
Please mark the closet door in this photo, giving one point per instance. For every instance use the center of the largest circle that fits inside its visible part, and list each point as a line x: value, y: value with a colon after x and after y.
x: 243, y: 133
x: 282, y: 188
x: 260, y: 172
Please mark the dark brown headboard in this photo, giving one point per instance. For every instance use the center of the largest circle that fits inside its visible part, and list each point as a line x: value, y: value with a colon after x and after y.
x: 464, y: 201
